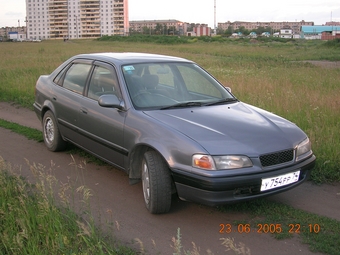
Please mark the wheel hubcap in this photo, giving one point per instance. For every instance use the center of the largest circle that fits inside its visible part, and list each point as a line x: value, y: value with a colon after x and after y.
x: 49, y: 131
x: 146, y: 183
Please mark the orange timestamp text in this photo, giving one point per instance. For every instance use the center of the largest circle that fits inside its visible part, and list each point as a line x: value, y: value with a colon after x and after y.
x: 269, y: 228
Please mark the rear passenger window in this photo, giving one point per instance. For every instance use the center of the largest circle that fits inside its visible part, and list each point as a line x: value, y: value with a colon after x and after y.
x: 59, y: 79
x: 75, y: 78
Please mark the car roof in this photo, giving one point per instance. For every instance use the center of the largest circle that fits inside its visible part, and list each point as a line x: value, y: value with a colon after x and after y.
x: 130, y: 57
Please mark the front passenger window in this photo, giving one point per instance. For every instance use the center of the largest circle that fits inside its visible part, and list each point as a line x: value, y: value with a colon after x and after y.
x: 103, y: 81
x: 75, y: 78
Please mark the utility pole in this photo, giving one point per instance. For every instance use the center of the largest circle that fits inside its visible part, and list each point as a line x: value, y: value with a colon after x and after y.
x: 215, y: 16
x: 26, y: 21
x: 18, y: 30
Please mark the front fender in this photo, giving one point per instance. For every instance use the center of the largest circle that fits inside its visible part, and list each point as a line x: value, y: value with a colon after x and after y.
x: 142, y: 133
x: 176, y: 153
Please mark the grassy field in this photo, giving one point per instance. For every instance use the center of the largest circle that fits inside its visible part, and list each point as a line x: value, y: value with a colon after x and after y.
x: 268, y: 74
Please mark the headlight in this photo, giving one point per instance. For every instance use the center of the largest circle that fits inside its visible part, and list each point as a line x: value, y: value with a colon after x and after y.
x: 208, y: 162
x: 303, y: 150
x: 232, y: 162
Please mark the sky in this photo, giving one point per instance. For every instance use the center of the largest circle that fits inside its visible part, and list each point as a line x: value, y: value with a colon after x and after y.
x: 202, y: 11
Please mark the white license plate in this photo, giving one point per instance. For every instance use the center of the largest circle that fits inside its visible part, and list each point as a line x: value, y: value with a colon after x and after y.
x: 279, y: 181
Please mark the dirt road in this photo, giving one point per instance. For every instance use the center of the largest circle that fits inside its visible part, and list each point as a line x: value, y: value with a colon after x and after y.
x: 114, y: 200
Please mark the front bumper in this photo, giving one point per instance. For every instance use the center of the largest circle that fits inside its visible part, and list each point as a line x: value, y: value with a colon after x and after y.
x: 215, y: 191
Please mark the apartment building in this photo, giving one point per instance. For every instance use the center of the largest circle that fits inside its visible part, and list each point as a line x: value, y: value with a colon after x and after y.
x: 73, y: 19
x: 5, y: 33
x: 275, y: 26
x: 140, y: 26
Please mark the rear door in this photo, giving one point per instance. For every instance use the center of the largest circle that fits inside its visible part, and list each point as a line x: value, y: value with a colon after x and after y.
x: 68, y: 95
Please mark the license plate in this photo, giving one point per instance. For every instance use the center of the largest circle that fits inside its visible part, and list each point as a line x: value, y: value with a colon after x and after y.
x: 279, y: 181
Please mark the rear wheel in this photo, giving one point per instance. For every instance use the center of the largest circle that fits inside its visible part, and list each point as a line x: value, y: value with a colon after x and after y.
x: 156, y: 182
x: 52, y: 137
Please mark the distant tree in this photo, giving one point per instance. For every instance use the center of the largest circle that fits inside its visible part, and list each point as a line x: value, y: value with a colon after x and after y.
x: 159, y: 29
x: 243, y: 30
x: 270, y: 30
x: 229, y: 31
x: 146, y: 30
x: 133, y: 32
x: 165, y: 30
x: 261, y: 30
x: 219, y: 31
x: 191, y: 26
x: 172, y: 30
x: 254, y: 30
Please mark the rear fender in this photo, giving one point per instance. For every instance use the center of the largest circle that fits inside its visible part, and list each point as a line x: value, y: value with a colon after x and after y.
x: 47, y: 105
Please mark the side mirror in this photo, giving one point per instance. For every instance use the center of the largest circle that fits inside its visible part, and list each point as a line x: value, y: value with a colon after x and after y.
x: 110, y: 100
x: 228, y: 88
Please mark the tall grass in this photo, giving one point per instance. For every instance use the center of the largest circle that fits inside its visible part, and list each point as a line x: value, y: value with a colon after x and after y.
x: 32, y: 222
x: 49, y: 217
x: 268, y: 74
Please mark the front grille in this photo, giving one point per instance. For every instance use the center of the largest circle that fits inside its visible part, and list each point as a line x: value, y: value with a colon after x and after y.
x: 277, y: 158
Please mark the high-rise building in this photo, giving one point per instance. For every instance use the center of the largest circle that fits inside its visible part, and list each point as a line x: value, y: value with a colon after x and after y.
x: 72, y: 19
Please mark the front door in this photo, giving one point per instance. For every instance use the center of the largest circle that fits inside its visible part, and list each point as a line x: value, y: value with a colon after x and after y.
x: 102, y: 127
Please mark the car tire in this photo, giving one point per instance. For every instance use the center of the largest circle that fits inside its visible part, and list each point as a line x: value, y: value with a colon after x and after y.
x: 52, y: 138
x: 156, y: 182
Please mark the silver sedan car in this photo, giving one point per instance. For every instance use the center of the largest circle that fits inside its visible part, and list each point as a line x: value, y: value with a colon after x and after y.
x: 168, y: 123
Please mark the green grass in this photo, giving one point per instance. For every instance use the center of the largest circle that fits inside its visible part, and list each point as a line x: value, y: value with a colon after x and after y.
x: 31, y: 221
x: 283, y: 221
x: 28, y: 132
x: 266, y: 73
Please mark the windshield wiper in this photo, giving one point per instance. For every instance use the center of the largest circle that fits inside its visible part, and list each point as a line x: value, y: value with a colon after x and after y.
x: 182, y: 105
x: 222, y: 101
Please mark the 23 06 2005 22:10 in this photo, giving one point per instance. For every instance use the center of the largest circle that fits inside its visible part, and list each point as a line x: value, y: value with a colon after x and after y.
x: 269, y: 228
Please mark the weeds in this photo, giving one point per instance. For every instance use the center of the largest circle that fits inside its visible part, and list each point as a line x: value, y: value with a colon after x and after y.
x: 39, y: 218
x: 33, y: 223
x: 179, y: 250
x: 239, y: 248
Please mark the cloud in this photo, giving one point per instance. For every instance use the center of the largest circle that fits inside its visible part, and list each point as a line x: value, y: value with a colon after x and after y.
x: 14, y: 14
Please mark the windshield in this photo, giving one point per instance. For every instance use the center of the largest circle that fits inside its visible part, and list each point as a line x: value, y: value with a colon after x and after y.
x: 163, y: 85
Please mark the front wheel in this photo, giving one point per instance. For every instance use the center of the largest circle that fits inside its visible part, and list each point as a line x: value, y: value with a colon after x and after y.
x: 52, y: 137
x: 156, y: 182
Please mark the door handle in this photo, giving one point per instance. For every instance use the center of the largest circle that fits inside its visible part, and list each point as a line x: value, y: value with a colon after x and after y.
x: 83, y: 110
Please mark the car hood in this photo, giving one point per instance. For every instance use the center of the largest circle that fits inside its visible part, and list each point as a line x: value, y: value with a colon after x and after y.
x: 236, y: 128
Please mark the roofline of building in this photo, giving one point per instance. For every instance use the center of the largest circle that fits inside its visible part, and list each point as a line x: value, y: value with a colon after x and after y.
x: 153, y: 21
